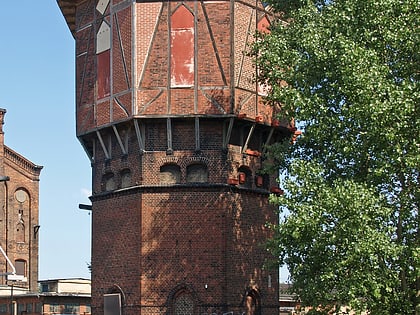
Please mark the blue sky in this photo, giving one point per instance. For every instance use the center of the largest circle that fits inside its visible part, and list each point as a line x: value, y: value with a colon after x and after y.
x: 37, y: 90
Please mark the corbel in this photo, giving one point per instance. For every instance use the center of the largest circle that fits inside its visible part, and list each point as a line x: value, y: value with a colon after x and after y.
x: 101, y: 141
x: 117, y: 135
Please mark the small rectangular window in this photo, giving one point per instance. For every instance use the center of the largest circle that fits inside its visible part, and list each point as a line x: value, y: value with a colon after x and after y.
x: 20, y: 267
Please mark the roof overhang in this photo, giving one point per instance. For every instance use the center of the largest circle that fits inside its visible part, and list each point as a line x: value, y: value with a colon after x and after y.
x: 68, y: 8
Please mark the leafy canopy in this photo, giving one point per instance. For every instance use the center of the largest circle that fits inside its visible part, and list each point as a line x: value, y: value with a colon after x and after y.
x: 349, y: 231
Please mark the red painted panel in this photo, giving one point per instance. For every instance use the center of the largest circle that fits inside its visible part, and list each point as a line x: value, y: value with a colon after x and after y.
x: 182, y: 48
x: 103, y: 71
x: 182, y: 18
x: 263, y: 25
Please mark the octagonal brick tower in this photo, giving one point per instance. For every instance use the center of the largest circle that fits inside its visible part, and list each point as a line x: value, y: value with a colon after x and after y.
x: 170, y: 115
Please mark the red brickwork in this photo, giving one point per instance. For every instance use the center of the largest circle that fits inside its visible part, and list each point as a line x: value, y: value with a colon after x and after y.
x: 121, y: 51
x: 23, y: 216
x: 212, y: 246
x: 122, y: 108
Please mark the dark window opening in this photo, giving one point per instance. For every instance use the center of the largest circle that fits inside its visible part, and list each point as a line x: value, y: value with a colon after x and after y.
x: 197, y: 173
x: 20, y: 266
x: 170, y: 174
x: 109, y: 182
x: 125, y: 178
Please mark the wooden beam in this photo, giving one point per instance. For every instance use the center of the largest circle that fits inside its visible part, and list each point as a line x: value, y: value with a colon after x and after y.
x: 123, y: 149
x: 170, y: 150
x: 251, y: 131
x: 226, y: 137
x: 270, y: 135
x: 68, y: 9
x: 91, y: 155
x: 98, y: 134
x: 197, y: 134
x: 140, y: 138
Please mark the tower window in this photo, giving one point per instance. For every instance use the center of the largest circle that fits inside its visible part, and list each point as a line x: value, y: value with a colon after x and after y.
x: 197, y: 173
x: 170, y: 174
x: 125, y: 178
x: 108, y: 182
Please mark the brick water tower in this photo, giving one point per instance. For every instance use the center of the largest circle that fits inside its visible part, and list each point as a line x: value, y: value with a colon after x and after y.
x: 169, y: 113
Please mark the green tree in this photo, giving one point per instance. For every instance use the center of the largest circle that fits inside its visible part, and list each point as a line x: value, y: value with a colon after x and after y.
x: 349, y: 229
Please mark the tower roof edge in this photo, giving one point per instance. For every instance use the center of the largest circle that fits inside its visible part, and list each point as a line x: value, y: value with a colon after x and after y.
x: 68, y: 9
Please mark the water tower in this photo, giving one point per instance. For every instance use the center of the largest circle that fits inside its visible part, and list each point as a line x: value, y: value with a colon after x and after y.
x: 168, y: 112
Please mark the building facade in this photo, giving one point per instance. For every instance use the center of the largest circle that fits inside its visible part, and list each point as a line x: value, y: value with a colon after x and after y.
x: 170, y: 115
x: 54, y: 297
x: 19, y: 215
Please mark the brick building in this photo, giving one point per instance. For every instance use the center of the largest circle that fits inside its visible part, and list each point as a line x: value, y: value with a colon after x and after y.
x: 55, y: 297
x: 168, y: 111
x: 19, y: 213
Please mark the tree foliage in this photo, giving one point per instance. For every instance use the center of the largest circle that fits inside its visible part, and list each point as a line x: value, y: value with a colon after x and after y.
x: 349, y: 231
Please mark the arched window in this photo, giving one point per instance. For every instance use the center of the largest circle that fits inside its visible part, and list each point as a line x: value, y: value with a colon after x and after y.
x: 112, y: 304
x: 182, y: 48
x: 170, y: 174
x: 125, y: 178
x: 183, y: 304
x: 22, y: 197
x: 108, y: 182
x: 114, y: 300
x: 197, y: 173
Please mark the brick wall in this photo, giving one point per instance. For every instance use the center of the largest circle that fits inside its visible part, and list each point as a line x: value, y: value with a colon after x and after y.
x: 151, y: 241
x: 153, y: 237
x: 20, y: 215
